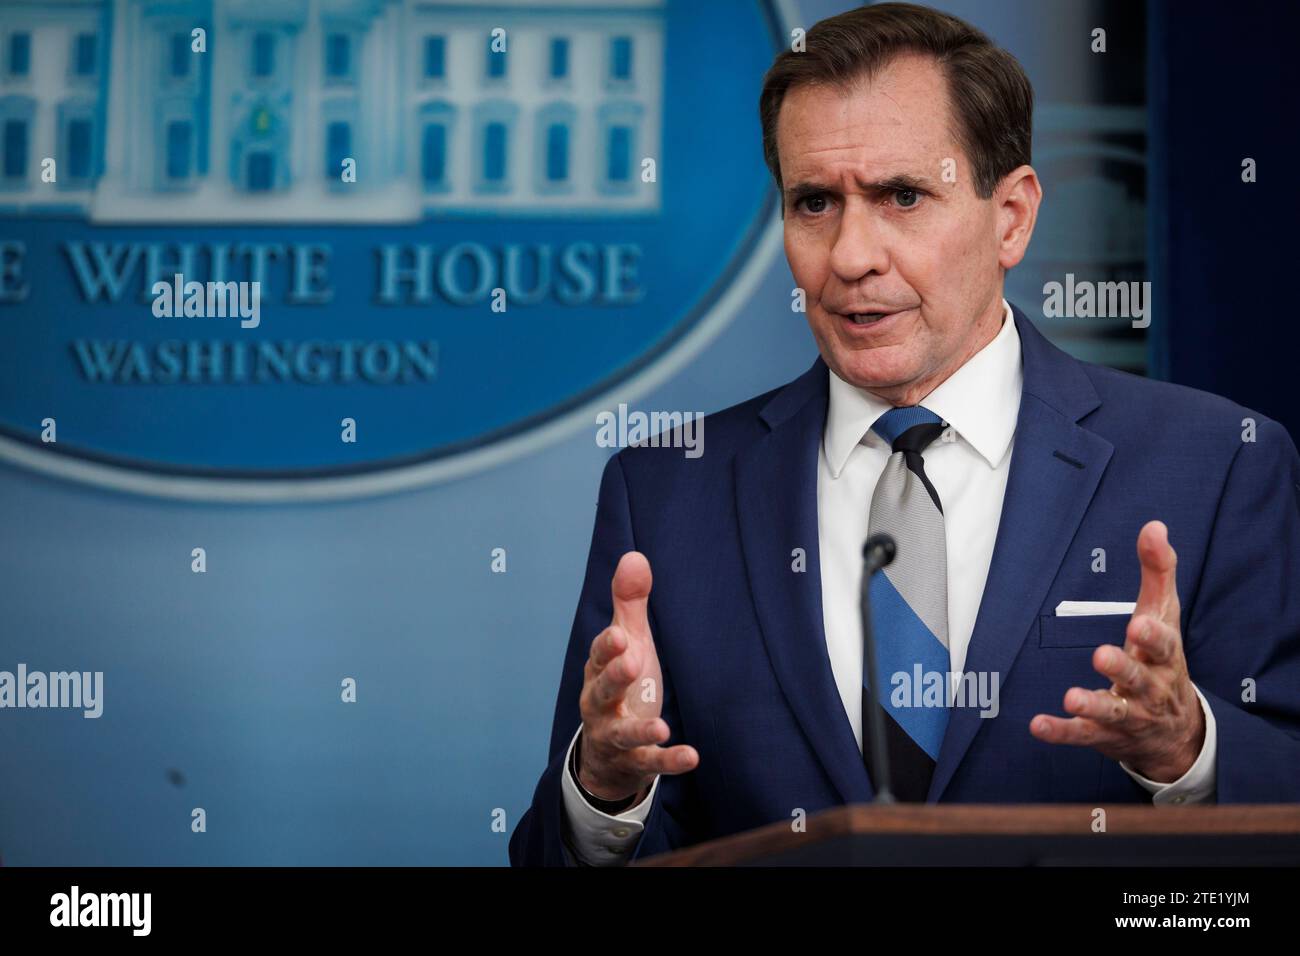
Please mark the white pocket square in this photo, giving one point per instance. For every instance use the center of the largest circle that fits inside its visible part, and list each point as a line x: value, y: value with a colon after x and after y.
x: 1087, y: 608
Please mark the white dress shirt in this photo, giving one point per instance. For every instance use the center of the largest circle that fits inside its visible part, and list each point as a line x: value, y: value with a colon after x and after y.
x: 969, y: 470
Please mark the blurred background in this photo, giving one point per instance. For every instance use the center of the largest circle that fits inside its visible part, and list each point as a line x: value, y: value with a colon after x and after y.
x: 436, y: 559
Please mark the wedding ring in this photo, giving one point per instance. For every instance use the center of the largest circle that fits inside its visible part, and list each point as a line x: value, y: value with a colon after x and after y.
x: 1124, y: 715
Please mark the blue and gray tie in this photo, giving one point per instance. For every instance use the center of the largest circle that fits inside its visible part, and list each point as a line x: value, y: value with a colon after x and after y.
x: 909, y: 605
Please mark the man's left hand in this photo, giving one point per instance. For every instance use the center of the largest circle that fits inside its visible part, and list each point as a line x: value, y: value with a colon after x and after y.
x: 1150, y: 718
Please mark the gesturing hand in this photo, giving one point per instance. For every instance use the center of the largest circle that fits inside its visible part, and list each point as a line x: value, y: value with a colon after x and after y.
x: 1150, y: 718
x: 621, y: 699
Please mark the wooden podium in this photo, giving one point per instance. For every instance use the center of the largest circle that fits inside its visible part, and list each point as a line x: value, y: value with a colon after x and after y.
x: 1013, y: 835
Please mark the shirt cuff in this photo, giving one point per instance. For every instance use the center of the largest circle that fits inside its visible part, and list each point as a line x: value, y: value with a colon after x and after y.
x: 594, y: 837
x: 1199, y: 783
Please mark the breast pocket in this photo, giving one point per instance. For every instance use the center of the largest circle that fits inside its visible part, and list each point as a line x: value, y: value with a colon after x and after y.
x: 1082, y: 631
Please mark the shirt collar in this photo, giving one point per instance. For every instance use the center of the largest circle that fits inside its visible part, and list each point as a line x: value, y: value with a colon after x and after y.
x: 981, y: 401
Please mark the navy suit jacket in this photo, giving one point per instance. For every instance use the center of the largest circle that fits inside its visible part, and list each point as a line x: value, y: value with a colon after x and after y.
x: 1097, y: 453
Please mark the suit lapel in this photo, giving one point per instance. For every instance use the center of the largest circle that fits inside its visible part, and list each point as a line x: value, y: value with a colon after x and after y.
x: 776, y: 497
x: 1055, y: 468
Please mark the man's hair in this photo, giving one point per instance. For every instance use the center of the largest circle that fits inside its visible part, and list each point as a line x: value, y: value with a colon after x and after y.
x: 991, y: 98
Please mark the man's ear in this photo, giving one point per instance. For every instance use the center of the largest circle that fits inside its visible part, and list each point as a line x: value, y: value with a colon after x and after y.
x: 1018, y: 197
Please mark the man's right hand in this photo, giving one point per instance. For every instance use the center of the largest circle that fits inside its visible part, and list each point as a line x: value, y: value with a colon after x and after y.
x: 622, y: 698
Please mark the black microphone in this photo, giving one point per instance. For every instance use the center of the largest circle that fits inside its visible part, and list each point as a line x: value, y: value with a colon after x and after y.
x: 877, y: 553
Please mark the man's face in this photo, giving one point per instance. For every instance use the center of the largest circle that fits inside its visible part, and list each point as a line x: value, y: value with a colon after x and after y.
x: 901, y: 269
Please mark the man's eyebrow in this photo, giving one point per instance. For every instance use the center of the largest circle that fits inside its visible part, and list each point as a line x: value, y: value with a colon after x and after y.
x: 901, y: 181
x: 803, y: 190
x: 897, y: 182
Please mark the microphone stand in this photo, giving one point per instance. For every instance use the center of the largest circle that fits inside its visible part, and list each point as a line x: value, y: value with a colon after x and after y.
x: 877, y: 553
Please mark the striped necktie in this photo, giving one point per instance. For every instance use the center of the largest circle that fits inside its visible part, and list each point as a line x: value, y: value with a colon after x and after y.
x: 909, y: 606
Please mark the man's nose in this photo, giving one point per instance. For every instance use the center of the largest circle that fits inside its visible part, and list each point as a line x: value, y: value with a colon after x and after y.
x: 859, y: 248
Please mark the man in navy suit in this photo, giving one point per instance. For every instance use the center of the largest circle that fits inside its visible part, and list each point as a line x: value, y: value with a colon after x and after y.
x: 1014, y: 478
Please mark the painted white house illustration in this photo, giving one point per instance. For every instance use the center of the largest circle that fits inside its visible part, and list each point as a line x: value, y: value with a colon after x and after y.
x: 248, y: 110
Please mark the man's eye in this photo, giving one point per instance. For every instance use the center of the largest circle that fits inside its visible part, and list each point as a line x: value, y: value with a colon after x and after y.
x: 814, y: 204
x: 907, y: 198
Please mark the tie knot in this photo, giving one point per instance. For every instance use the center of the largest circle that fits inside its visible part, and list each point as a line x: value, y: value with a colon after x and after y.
x: 910, y: 428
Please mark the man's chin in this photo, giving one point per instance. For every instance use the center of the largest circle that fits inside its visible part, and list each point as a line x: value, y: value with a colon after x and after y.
x: 872, y: 374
